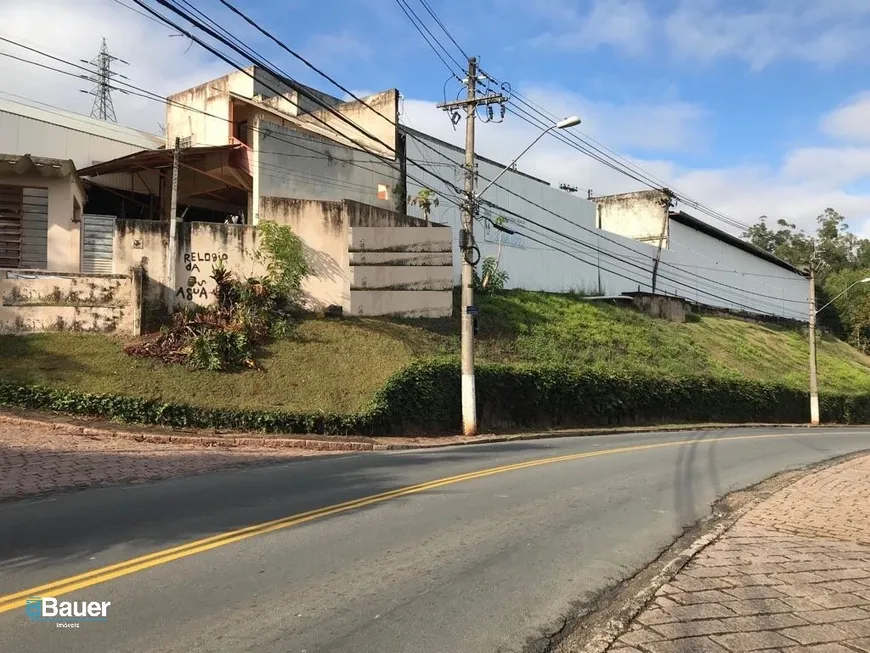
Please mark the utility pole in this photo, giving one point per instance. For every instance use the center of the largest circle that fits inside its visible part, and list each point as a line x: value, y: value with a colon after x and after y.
x: 172, y: 255
x: 814, y: 381
x: 666, y: 202
x: 467, y: 246
x: 103, y: 107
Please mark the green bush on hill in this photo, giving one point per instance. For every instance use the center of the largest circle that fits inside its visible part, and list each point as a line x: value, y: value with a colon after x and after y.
x: 425, y: 399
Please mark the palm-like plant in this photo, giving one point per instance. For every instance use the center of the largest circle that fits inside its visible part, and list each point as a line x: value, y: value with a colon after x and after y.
x: 426, y: 199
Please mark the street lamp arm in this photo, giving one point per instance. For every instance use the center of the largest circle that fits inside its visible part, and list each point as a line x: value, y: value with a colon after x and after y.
x: 511, y: 164
x: 867, y: 280
x: 562, y: 124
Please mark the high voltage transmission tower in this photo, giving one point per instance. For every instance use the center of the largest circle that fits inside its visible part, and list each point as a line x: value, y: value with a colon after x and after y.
x: 103, y: 107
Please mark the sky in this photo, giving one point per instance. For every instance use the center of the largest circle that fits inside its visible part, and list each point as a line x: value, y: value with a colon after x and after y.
x: 753, y: 107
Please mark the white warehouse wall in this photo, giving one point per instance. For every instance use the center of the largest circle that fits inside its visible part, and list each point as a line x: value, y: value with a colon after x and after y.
x: 60, y: 134
x: 611, y: 264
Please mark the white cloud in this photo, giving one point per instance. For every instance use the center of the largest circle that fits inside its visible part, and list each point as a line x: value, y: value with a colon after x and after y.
x: 798, y: 187
x: 624, y: 24
x: 73, y: 31
x: 821, y: 32
x: 850, y: 121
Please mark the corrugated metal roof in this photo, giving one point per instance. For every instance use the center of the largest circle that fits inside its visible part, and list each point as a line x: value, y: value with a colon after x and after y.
x: 148, y: 159
x: 82, y: 123
x: 21, y: 164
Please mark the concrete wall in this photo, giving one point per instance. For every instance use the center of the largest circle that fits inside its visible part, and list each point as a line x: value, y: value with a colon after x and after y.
x: 59, y: 134
x: 377, y: 115
x: 322, y: 227
x: 404, y: 271
x: 339, y: 236
x: 144, y: 244
x: 33, y: 300
x: 186, y: 111
x: 642, y: 215
x: 293, y: 164
x: 64, y: 234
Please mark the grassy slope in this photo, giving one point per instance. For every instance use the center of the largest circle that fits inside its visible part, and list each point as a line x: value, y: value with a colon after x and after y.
x: 338, y: 365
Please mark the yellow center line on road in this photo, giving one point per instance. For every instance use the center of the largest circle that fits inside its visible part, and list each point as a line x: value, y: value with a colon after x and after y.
x: 110, y: 572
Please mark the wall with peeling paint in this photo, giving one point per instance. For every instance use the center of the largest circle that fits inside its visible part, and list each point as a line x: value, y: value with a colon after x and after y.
x: 36, y: 300
x: 144, y: 244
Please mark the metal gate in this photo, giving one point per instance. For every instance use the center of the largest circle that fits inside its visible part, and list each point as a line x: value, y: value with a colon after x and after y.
x: 98, y: 235
x: 10, y: 226
x: 34, y: 228
x: 23, y: 227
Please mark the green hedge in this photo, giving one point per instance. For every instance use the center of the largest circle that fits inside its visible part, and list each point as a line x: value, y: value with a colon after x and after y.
x: 425, y: 398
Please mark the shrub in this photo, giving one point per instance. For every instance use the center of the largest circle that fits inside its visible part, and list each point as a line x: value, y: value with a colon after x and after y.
x: 425, y: 398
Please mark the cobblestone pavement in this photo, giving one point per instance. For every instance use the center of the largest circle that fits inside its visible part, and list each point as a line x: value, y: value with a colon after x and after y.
x: 792, y: 575
x: 39, y: 459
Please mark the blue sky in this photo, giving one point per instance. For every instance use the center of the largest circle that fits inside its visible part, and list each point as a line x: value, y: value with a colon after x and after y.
x: 751, y: 106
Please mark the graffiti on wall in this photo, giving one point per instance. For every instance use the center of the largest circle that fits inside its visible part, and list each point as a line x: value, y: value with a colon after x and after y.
x: 199, y: 266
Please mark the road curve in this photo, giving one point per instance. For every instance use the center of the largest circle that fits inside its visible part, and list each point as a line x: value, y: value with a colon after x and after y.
x: 474, y: 549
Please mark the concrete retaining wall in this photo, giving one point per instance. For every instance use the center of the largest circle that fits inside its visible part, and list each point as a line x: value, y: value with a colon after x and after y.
x: 35, y: 300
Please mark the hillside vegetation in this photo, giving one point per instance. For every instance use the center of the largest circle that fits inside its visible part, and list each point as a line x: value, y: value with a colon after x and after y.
x: 338, y: 365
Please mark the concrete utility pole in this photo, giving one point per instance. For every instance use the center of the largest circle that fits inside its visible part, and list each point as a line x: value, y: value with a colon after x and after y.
x: 173, y: 212
x: 814, y: 381
x: 467, y: 246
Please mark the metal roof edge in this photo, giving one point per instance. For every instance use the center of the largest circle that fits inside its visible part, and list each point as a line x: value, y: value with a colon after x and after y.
x: 699, y: 225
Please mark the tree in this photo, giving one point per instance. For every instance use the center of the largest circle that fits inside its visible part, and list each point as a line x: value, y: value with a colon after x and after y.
x: 426, y: 199
x: 842, y: 259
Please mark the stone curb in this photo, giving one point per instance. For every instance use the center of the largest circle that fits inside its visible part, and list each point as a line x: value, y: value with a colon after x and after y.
x: 350, y: 445
x: 620, y: 623
x: 552, y: 435
x: 203, y: 441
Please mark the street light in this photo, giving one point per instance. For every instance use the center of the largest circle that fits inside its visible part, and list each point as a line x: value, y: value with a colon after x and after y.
x: 572, y: 121
x: 867, y: 280
x: 814, y: 380
x: 469, y: 311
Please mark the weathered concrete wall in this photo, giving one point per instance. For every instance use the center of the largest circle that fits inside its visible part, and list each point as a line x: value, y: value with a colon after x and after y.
x: 376, y: 115
x: 399, y: 266
x: 186, y: 111
x: 294, y: 164
x: 201, y: 245
x: 35, y: 300
x: 64, y: 234
x: 641, y: 215
x: 401, y: 270
x: 322, y: 227
x: 672, y: 309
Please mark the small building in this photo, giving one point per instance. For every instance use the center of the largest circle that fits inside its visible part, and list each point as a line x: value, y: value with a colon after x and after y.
x: 41, y: 202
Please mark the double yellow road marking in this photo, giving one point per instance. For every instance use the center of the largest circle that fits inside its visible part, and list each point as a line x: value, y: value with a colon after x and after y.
x: 104, y: 574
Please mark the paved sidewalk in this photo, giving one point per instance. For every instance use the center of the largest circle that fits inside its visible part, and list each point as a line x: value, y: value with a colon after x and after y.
x: 792, y: 575
x: 35, y: 459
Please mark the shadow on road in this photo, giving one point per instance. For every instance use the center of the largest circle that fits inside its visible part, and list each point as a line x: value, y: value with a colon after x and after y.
x: 144, y: 517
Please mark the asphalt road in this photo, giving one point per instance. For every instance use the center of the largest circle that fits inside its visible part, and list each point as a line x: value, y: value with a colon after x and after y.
x: 480, y: 564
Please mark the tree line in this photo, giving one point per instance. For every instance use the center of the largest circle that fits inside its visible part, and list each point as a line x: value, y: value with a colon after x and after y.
x: 841, y: 259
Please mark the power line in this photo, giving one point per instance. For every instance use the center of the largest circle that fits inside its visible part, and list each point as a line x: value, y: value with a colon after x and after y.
x: 441, y: 25
x: 419, y: 25
x: 449, y: 184
x: 586, y: 229
x: 104, y: 108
